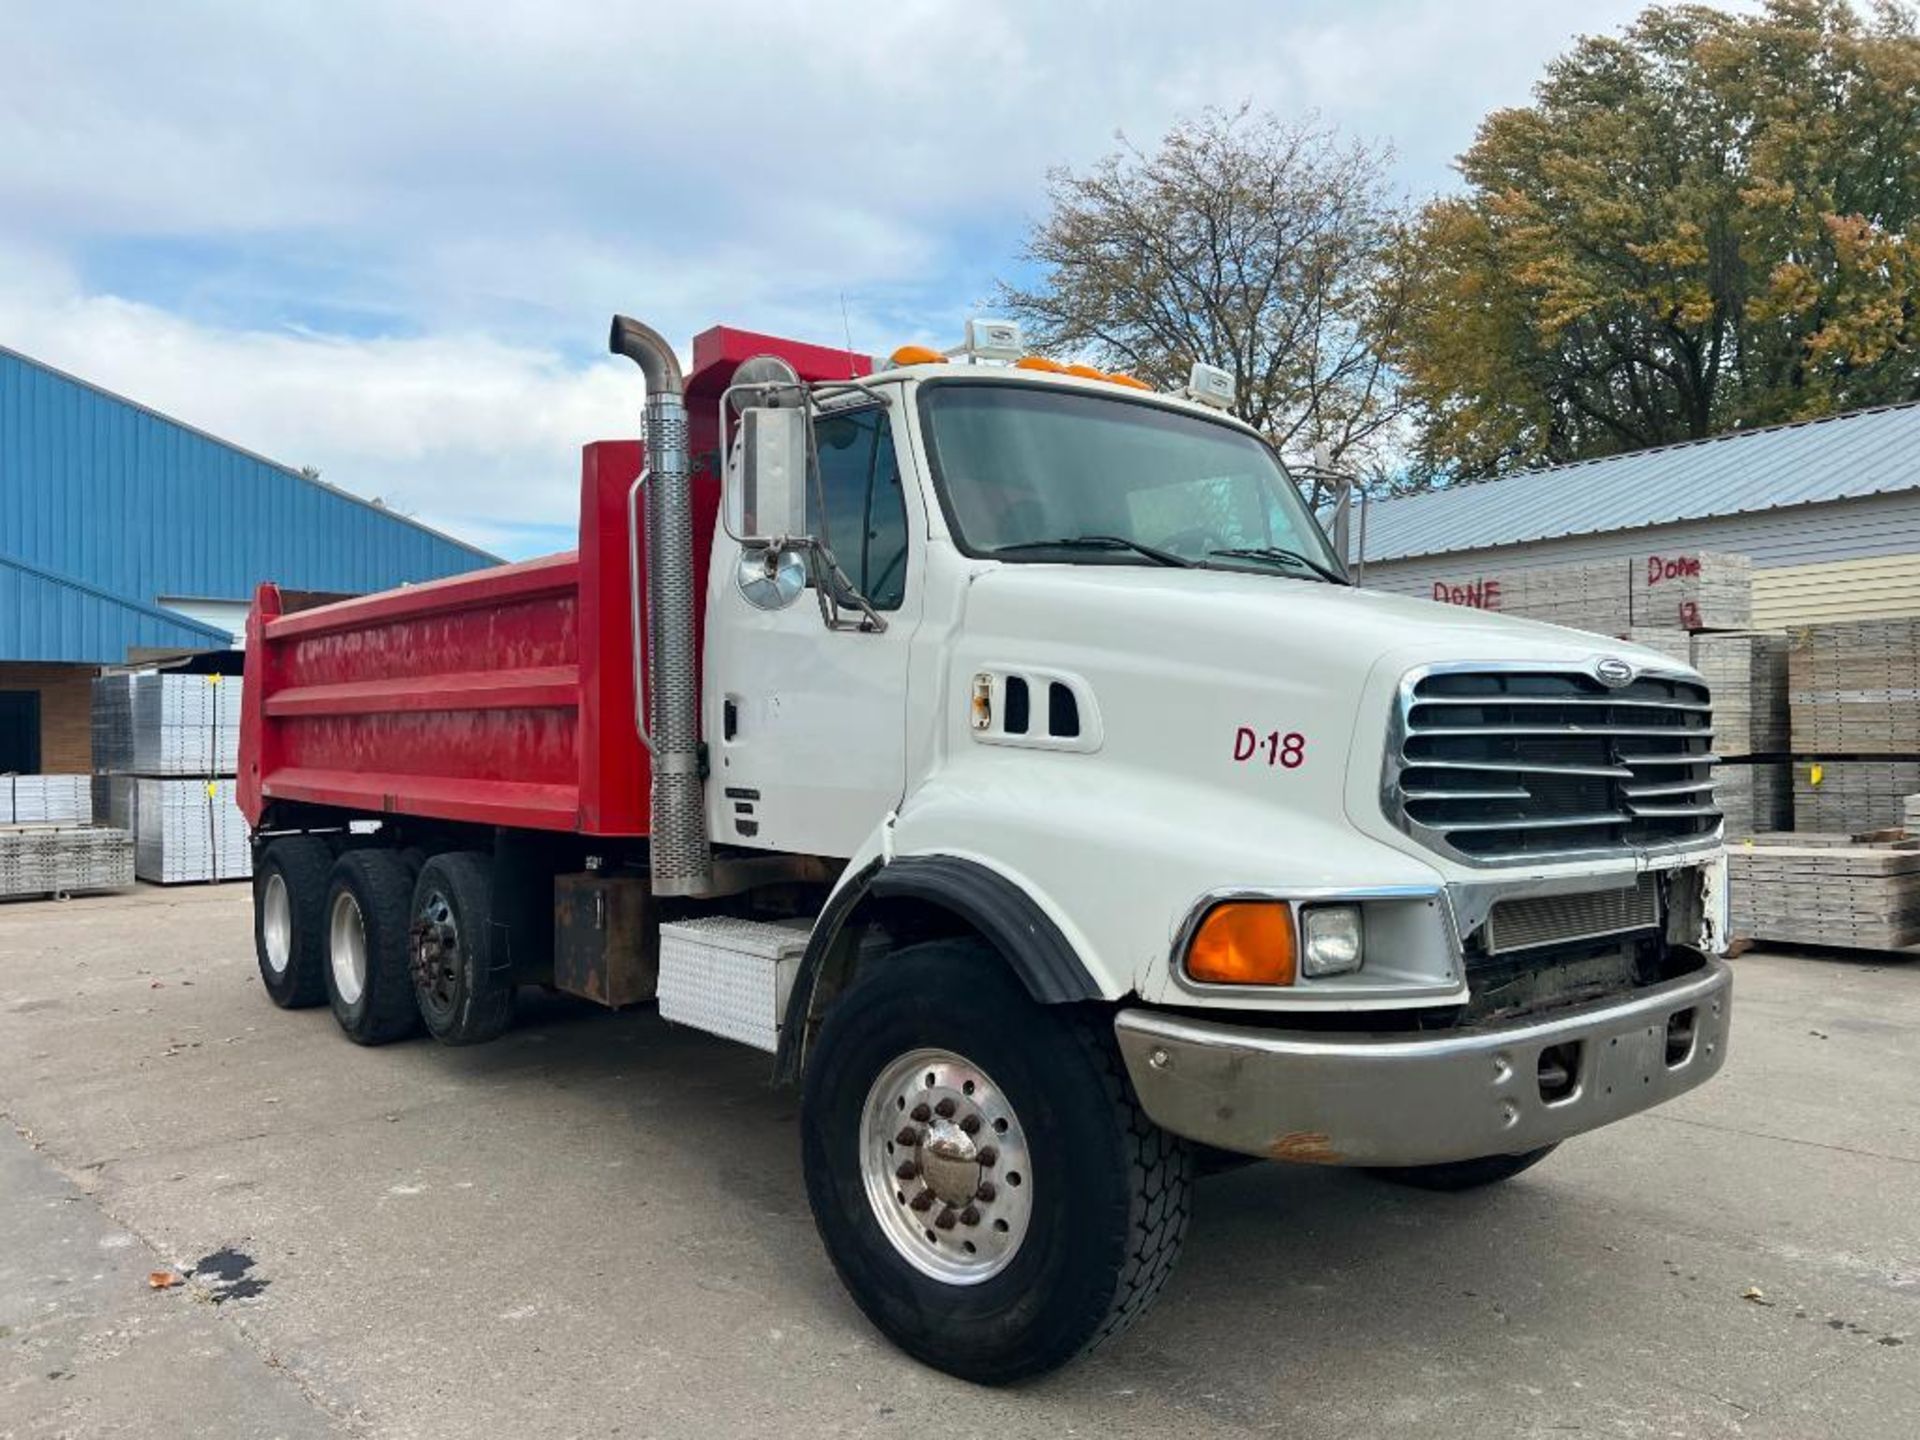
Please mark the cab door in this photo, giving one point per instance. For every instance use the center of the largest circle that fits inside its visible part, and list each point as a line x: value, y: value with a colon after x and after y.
x: 806, y: 726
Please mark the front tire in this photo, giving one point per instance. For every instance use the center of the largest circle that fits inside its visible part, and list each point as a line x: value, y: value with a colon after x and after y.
x: 1460, y: 1175
x: 1018, y: 1207
x: 368, y: 905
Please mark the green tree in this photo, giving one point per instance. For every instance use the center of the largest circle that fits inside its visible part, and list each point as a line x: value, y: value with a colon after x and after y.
x: 1711, y: 221
x: 1259, y: 246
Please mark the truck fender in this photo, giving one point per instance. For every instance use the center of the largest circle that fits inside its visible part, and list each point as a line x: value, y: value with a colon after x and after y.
x: 998, y: 909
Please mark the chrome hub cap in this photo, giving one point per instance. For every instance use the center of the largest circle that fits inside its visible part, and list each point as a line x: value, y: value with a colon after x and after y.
x: 347, y: 948
x: 276, y: 923
x: 946, y: 1167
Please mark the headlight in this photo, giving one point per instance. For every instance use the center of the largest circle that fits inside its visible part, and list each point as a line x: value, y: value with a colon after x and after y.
x: 1330, y: 940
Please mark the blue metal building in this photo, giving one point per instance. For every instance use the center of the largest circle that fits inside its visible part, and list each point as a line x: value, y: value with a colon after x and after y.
x: 126, y: 534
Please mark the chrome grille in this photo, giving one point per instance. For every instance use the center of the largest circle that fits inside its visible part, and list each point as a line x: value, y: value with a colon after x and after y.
x: 1495, y: 765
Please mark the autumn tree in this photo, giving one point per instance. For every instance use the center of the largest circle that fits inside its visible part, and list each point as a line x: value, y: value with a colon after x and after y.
x: 1242, y: 241
x: 1710, y: 221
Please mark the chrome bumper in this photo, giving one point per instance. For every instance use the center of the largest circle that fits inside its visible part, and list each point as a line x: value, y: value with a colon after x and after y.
x: 1421, y: 1099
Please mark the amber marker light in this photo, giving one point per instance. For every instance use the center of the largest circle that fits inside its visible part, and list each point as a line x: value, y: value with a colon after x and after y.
x: 1132, y: 382
x: 918, y: 355
x: 1243, y: 942
x: 1086, y: 372
x: 1041, y: 363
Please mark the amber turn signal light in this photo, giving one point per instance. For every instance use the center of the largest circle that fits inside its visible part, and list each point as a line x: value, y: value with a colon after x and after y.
x: 1243, y: 942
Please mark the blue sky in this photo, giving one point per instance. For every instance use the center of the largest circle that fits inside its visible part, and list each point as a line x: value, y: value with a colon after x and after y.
x: 384, y: 239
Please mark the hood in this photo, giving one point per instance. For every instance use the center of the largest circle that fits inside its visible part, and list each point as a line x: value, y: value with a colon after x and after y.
x: 1228, y: 617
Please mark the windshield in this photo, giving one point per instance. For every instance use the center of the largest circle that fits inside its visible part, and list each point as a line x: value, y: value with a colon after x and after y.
x: 1033, y: 473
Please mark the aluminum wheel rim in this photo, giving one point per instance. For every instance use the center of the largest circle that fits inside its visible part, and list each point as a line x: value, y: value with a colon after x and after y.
x: 945, y: 1164
x: 436, y: 954
x: 276, y: 924
x: 347, y: 948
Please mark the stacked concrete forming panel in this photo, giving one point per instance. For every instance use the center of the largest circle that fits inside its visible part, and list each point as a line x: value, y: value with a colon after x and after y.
x: 157, y: 723
x: 184, y: 830
x: 1825, y: 890
x: 1693, y: 590
x: 46, y: 800
x: 58, y: 860
x: 165, y: 748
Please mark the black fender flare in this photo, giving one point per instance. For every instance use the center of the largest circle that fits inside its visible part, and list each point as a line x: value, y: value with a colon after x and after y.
x: 1006, y: 916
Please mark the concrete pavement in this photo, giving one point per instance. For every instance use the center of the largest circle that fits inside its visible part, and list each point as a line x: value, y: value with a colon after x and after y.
x: 596, y: 1226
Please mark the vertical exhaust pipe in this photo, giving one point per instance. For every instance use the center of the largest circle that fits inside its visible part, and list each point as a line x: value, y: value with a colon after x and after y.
x: 681, y: 857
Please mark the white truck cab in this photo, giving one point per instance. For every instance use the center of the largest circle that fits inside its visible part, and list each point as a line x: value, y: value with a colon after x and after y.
x: 1069, y: 678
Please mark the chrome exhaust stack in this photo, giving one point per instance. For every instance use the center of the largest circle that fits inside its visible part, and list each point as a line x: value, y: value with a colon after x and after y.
x: 681, y: 855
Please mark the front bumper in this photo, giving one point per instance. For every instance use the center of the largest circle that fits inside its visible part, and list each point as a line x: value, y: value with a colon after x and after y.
x: 1422, y: 1099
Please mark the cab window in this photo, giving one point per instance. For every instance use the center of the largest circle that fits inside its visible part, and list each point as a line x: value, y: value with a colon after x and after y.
x: 866, y: 514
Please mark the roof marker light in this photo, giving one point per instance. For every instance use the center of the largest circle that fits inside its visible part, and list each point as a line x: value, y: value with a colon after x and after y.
x: 918, y: 355
x: 1040, y: 362
x: 1210, y: 385
x: 1132, y: 382
x: 1086, y: 372
x: 991, y: 340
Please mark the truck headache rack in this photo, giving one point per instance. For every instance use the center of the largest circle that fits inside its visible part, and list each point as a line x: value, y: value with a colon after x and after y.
x: 1496, y: 765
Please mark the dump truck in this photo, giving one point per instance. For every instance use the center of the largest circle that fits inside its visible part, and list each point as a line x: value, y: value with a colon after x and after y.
x: 1002, y: 747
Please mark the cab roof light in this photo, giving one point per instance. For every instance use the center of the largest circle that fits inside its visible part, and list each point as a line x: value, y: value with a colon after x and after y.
x: 1210, y: 385
x: 1132, y: 382
x: 991, y: 340
x: 1087, y: 372
x: 918, y: 355
x: 1041, y: 363
x: 1243, y: 942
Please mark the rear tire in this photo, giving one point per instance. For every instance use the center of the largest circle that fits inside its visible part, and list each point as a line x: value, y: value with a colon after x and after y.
x: 368, y: 904
x: 1460, y: 1175
x: 289, y: 920
x: 1093, y: 1229
x: 463, y: 999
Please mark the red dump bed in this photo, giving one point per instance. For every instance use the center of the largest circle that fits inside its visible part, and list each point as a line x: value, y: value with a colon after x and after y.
x: 504, y: 697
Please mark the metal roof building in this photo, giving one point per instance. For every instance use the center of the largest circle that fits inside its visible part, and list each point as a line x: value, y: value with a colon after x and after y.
x: 1828, y: 510
x: 125, y: 533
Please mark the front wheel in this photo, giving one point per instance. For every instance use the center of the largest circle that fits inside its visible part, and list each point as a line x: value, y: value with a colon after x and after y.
x: 986, y: 1184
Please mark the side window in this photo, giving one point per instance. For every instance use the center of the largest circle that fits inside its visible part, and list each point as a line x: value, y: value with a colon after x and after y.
x: 866, y: 515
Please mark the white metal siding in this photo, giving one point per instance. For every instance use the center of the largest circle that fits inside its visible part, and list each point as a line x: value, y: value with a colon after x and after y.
x: 1871, y: 527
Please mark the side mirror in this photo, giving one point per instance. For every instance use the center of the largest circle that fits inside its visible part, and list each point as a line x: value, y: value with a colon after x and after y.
x: 767, y: 499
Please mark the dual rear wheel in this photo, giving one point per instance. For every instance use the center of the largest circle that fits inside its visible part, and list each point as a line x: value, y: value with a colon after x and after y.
x: 392, y: 940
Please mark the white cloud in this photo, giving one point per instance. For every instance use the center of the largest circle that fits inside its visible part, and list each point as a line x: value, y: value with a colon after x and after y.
x: 385, y: 240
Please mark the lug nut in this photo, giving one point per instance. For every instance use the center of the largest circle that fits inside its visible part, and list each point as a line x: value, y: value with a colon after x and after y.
x: 923, y: 1201
x: 986, y: 1192
x: 921, y: 1113
x: 969, y: 1216
x: 907, y: 1170
x: 971, y: 1124
x: 989, y: 1154
x: 945, y: 1222
x: 945, y: 1108
x: 907, y: 1136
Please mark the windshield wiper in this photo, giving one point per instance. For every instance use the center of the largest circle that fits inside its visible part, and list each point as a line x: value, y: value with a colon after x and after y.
x: 1098, y: 542
x: 1283, y: 556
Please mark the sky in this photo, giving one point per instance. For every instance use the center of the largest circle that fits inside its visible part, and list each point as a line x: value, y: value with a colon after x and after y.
x: 385, y: 239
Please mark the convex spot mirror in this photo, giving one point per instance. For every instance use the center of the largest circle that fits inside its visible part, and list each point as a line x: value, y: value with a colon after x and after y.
x: 767, y: 494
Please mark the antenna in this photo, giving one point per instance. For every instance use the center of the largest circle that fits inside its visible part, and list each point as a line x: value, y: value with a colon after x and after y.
x: 847, y: 326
